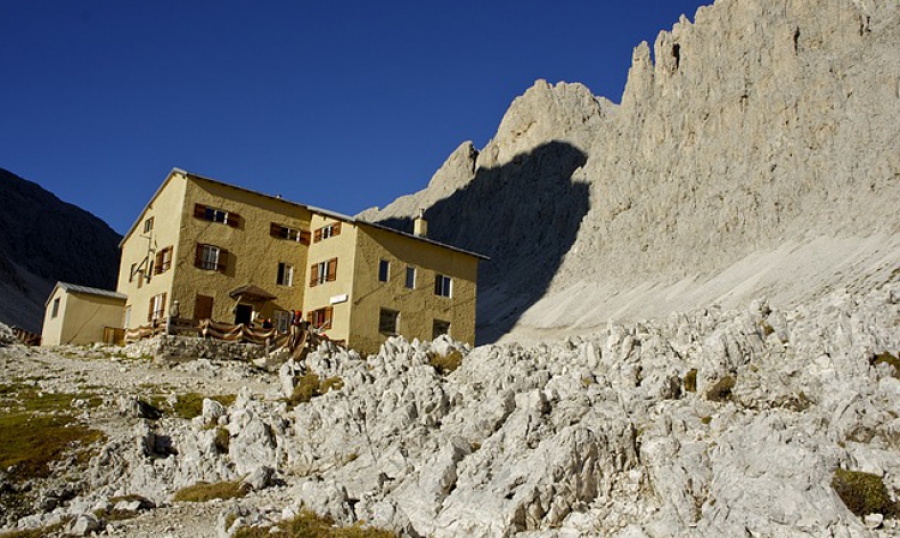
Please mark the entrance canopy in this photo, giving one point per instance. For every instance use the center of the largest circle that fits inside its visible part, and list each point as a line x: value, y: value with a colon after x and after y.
x: 251, y: 293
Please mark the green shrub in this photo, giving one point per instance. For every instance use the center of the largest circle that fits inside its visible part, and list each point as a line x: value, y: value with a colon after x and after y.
x: 721, y: 391
x: 190, y: 405
x: 332, y: 383
x: 690, y: 380
x: 222, y: 440
x: 310, y: 525
x: 863, y: 493
x: 203, y: 491
x: 887, y: 358
x: 309, y: 386
x: 444, y: 364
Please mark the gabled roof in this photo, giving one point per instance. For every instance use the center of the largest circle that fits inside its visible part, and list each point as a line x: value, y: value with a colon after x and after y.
x: 75, y: 288
x: 320, y: 211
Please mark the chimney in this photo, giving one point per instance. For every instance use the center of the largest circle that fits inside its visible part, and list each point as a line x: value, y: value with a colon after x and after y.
x: 420, y: 225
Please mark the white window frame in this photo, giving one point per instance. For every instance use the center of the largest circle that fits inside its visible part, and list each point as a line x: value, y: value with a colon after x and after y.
x: 148, y: 225
x: 282, y: 321
x: 446, y: 286
x: 209, y: 260
x: 382, y: 327
x: 285, y: 275
x: 159, y: 306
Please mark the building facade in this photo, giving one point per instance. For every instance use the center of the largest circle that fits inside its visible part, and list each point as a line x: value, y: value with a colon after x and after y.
x: 217, y: 251
x: 80, y: 315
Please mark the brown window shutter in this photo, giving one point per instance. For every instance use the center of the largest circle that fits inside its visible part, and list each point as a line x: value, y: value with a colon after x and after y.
x: 275, y: 230
x: 304, y: 238
x: 311, y: 317
x: 150, y: 311
x: 223, y: 260
x: 313, y: 275
x: 157, y: 267
x: 203, y: 307
x: 318, y: 236
x: 332, y: 270
x: 233, y: 219
x: 198, y: 257
x: 336, y: 229
x: 329, y: 312
x: 200, y: 211
x: 162, y: 310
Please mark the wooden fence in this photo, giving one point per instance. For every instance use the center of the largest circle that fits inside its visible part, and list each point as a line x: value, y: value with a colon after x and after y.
x: 27, y: 338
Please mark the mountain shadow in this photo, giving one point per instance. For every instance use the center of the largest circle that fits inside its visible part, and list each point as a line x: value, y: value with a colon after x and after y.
x: 525, y: 215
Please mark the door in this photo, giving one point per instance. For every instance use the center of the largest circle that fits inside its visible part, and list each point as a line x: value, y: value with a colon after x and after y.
x: 203, y: 307
x: 243, y: 314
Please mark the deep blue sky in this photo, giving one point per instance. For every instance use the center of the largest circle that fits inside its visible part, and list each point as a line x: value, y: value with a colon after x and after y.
x: 339, y: 104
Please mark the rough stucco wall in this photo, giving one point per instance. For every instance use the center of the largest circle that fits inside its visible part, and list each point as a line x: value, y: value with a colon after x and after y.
x: 52, y: 330
x: 166, y: 213
x: 253, y: 254
x: 418, y: 307
x: 343, y: 248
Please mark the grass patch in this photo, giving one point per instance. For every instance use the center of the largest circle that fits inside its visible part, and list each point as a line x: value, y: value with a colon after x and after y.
x: 51, y: 530
x: 204, y: 491
x: 863, y: 493
x: 190, y: 405
x: 690, y: 380
x: 721, y: 391
x: 222, y: 440
x: 310, y: 525
x: 766, y: 329
x: 887, y: 358
x: 705, y: 420
x: 444, y: 364
x: 309, y: 386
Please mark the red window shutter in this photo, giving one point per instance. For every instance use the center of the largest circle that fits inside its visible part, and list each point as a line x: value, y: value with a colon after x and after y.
x: 200, y: 211
x: 314, y: 275
x: 318, y: 236
x: 223, y: 260
x: 332, y: 270
x: 198, y: 258
x: 275, y: 230
x: 336, y: 228
x: 233, y: 219
x: 329, y: 312
x: 304, y: 238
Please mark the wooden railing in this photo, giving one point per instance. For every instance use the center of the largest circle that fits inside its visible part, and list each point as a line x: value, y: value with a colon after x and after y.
x: 27, y: 338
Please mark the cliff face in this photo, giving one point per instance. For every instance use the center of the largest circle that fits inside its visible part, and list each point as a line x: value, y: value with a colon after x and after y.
x: 45, y: 240
x: 755, y: 152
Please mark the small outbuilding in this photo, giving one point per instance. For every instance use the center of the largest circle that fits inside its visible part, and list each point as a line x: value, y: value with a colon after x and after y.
x: 81, y: 315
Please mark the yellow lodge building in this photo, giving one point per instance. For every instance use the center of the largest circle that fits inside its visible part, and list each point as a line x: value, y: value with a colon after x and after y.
x: 204, y: 249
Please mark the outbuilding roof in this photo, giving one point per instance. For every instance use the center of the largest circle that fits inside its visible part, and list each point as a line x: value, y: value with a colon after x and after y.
x: 75, y: 288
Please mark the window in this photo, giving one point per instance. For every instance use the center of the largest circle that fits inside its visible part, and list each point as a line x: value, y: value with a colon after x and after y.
x: 291, y: 234
x: 285, y: 275
x: 411, y: 277
x: 282, y: 321
x: 323, y: 272
x: 321, y: 318
x: 327, y: 231
x: 211, y: 258
x: 157, y: 307
x: 127, y: 317
x: 55, y: 311
x: 443, y: 286
x: 148, y: 225
x: 163, y: 260
x: 384, y: 270
x: 212, y: 214
x: 133, y: 271
x: 439, y: 328
x: 388, y: 322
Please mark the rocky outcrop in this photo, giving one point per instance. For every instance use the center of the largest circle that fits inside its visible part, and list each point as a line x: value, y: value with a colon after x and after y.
x: 754, y: 151
x: 46, y: 240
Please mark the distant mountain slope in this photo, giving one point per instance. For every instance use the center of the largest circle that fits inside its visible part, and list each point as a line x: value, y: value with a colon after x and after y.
x: 757, y: 152
x: 44, y: 240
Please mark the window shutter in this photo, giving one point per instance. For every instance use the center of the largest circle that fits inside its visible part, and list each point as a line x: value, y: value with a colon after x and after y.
x: 314, y: 275
x: 318, y: 236
x: 157, y: 267
x: 200, y: 211
x: 329, y: 312
x: 304, y: 238
x: 275, y: 230
x: 233, y: 219
x: 332, y: 270
x: 198, y: 258
x: 311, y: 318
x: 223, y: 260
x: 162, y: 306
x: 336, y: 228
x: 150, y: 311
